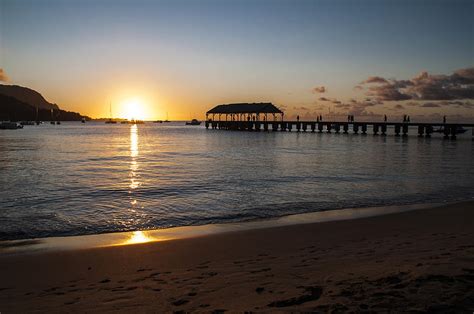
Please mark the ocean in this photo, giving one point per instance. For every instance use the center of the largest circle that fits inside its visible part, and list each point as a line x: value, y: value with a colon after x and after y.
x: 77, y: 179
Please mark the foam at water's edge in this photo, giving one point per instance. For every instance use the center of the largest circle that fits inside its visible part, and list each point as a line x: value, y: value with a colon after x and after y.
x: 137, y: 237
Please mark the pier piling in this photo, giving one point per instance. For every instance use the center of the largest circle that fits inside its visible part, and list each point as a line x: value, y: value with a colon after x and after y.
x: 384, y: 129
x: 449, y: 131
x: 421, y: 130
x: 355, y: 128
x: 397, y: 129
x: 376, y: 129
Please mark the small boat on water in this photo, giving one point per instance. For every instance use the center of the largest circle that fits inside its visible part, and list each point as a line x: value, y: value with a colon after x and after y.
x: 459, y: 130
x: 52, y: 118
x: 194, y: 122
x: 83, y: 120
x: 7, y: 125
x: 167, y: 121
x: 110, y: 120
x: 27, y: 122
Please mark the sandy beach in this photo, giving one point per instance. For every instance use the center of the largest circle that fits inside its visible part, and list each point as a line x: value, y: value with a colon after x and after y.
x: 421, y: 260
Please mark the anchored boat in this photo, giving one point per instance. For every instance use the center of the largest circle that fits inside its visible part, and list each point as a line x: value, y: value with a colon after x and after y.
x: 194, y: 122
x: 7, y: 125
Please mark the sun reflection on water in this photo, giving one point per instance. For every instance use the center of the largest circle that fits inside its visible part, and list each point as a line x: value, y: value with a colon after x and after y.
x: 134, y: 183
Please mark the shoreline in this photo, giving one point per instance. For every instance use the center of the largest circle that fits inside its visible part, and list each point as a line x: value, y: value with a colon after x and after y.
x: 418, y: 260
x: 88, y: 241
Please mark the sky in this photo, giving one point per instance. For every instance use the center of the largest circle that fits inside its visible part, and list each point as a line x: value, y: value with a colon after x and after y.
x: 181, y: 58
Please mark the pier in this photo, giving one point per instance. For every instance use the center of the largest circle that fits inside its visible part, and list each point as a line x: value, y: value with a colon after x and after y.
x: 254, y: 117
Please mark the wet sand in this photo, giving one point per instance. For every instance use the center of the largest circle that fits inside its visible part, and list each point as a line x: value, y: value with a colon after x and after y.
x: 420, y: 260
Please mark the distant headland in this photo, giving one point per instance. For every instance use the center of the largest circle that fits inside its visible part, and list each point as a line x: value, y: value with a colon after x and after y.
x: 19, y: 103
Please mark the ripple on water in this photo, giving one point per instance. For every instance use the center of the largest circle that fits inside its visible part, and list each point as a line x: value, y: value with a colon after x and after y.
x: 99, y: 178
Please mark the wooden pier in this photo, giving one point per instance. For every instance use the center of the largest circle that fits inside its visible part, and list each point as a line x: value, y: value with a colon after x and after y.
x: 450, y: 130
x: 247, y: 117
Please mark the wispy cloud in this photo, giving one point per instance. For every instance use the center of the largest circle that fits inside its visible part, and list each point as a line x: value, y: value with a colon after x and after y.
x: 430, y: 105
x: 303, y: 108
x: 375, y: 79
x: 319, y: 90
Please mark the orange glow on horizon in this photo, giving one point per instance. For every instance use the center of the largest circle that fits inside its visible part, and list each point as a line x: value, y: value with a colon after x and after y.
x: 134, y: 109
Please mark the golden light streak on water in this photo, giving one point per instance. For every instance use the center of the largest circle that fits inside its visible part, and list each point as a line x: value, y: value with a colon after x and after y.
x: 134, y: 183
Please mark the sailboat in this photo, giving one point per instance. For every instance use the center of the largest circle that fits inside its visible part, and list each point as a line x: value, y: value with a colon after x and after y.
x: 110, y: 121
x: 37, y: 116
x: 52, y: 117
x: 167, y: 118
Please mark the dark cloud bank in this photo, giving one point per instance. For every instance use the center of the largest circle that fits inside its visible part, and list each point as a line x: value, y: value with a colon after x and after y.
x: 425, y: 86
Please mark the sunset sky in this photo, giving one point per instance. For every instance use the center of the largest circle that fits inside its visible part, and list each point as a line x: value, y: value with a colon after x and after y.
x: 184, y: 57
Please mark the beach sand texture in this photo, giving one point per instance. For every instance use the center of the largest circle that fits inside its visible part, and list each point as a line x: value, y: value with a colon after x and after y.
x: 421, y: 260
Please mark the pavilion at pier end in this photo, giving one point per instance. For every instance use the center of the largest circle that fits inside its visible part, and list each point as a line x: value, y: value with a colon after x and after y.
x: 245, y: 112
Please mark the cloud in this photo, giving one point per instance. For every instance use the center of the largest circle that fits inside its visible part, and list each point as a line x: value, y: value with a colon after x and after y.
x: 459, y: 85
x: 430, y: 105
x: 398, y: 107
x: 324, y: 99
x: 343, y: 106
x: 3, y: 76
x: 457, y: 104
x: 356, y: 107
x: 301, y: 108
x: 318, y: 90
x: 441, y: 103
x: 375, y: 79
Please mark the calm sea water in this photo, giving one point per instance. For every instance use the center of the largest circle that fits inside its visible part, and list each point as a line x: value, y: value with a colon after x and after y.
x: 78, y: 179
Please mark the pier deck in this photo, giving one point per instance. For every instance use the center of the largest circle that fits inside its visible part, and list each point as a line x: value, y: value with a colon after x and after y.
x: 449, y: 130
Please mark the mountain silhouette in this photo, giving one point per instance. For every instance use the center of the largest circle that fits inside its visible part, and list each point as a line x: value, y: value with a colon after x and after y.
x: 27, y: 95
x: 14, y: 109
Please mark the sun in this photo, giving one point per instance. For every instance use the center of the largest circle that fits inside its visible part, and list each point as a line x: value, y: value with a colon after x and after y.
x: 134, y: 109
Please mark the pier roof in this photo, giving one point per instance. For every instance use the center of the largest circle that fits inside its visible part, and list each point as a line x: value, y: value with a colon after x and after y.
x: 264, y: 107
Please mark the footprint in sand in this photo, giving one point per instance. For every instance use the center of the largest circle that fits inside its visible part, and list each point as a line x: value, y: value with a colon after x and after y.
x: 313, y: 294
x: 180, y: 302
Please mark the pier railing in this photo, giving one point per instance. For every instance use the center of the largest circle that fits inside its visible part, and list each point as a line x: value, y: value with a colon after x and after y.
x: 449, y: 130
